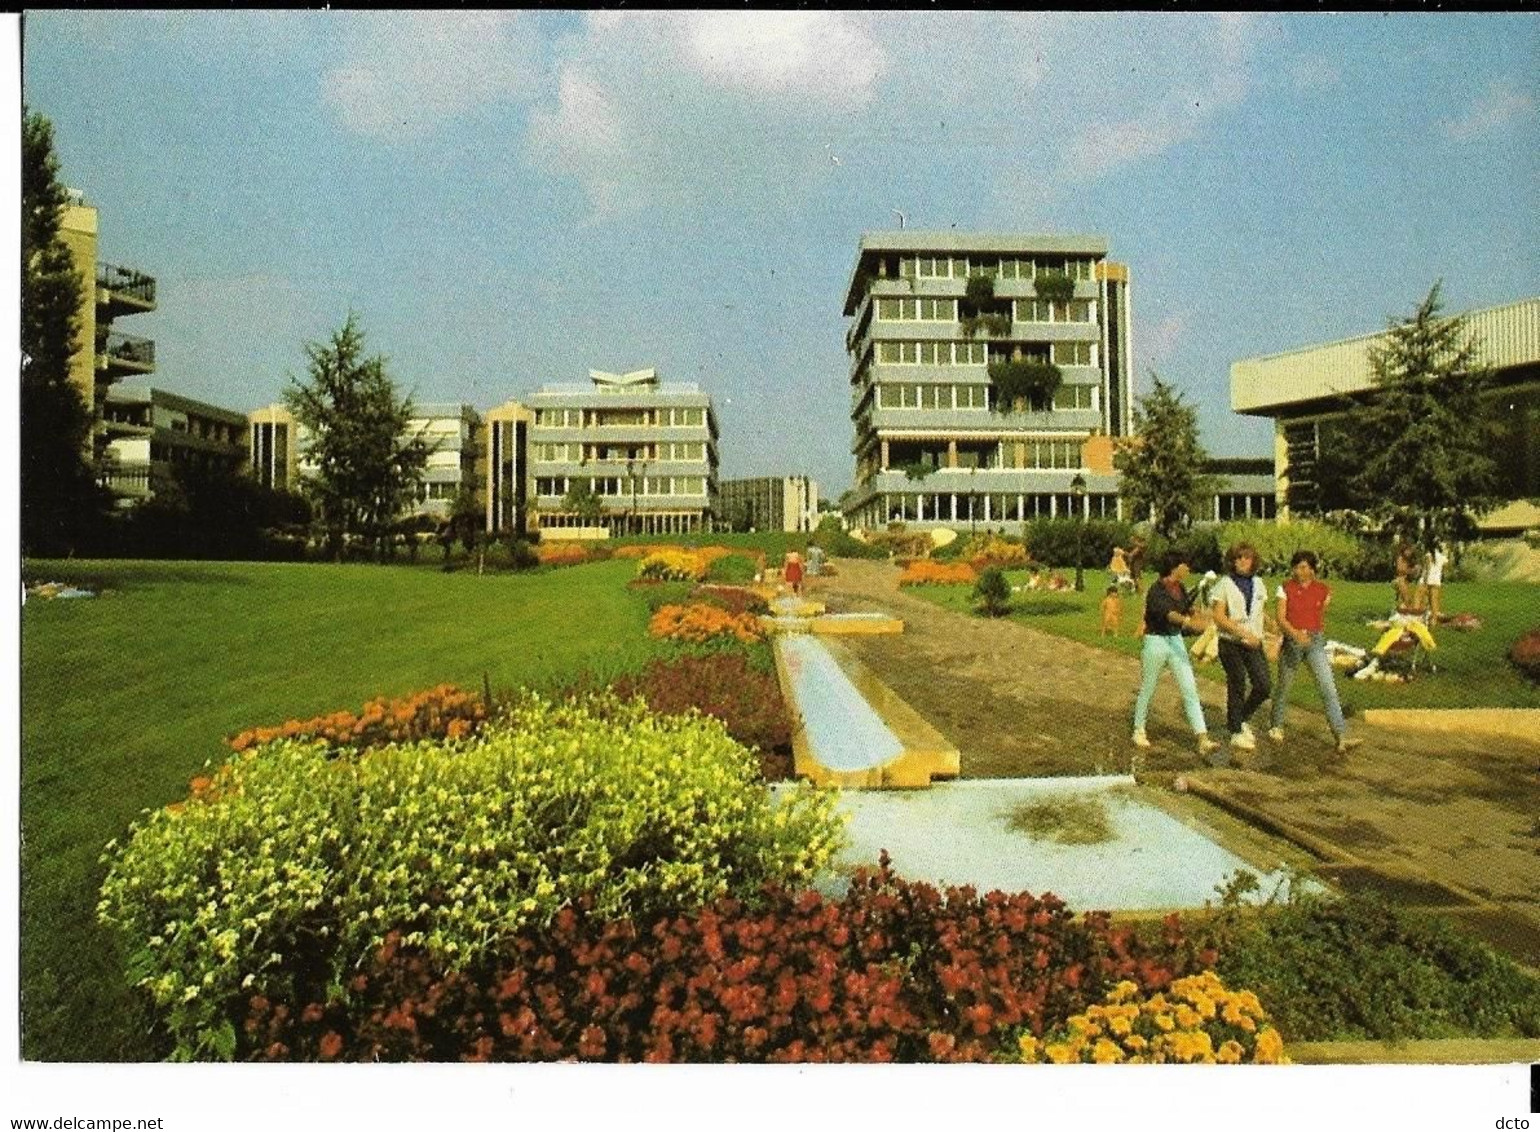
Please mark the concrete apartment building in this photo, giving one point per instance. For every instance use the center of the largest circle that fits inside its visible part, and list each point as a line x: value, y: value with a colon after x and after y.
x: 931, y: 446
x: 770, y: 503
x: 104, y: 355
x: 1307, y: 391
x: 505, y: 490
x: 149, y: 432
x: 647, y: 449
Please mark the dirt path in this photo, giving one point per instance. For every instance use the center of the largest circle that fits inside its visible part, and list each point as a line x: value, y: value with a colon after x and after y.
x: 1460, y: 812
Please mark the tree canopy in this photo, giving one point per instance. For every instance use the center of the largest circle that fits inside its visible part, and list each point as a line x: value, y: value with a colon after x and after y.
x: 1415, y: 455
x: 366, y: 469
x: 1162, y: 464
x: 60, y: 500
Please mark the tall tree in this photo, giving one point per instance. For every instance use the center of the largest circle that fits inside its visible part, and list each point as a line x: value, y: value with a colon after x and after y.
x: 60, y: 500
x: 1162, y: 465
x: 1420, y: 442
x: 367, y: 470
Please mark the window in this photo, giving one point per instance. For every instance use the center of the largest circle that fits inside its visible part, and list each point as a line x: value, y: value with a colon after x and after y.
x: 973, y: 396
x: 890, y: 310
x: 1073, y: 354
x: 972, y: 353
x: 1068, y: 397
x: 1033, y: 310
x: 1053, y: 453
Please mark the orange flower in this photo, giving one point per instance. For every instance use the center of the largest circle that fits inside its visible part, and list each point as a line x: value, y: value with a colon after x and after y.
x: 331, y: 1044
x: 924, y: 572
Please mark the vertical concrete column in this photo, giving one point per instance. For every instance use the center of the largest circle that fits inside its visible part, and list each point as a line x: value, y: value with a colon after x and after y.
x: 954, y: 506
x: 951, y: 456
x: 884, y: 455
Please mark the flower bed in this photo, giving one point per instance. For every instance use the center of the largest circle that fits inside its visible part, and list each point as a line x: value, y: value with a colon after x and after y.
x: 893, y: 971
x: 562, y: 554
x: 734, y: 599
x: 1195, y: 1020
x: 925, y: 572
x: 291, y: 868
x: 444, y: 712
x: 697, y: 623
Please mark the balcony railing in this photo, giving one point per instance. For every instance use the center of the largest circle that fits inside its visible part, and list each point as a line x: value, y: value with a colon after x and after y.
x: 126, y: 281
x: 124, y: 479
x: 127, y: 348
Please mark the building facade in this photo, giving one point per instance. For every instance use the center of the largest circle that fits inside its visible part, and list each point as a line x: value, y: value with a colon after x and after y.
x: 506, y: 466
x: 105, y: 355
x: 149, y: 433
x: 1307, y: 392
x: 647, y: 450
x: 788, y: 503
x: 453, y: 435
x: 934, y: 444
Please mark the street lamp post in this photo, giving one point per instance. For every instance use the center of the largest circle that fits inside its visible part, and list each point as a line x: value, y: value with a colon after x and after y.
x: 1077, y: 492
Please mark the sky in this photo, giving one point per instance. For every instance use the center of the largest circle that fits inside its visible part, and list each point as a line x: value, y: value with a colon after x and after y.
x: 508, y: 199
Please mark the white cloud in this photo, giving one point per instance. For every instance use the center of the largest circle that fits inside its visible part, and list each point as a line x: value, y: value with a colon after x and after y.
x: 404, y: 73
x: 823, y: 55
x: 1500, y: 105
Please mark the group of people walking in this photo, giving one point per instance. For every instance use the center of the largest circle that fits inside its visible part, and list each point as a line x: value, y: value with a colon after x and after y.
x: 1237, y: 604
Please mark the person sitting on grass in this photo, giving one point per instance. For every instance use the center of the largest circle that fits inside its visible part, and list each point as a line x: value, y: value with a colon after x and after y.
x: 1167, y: 611
x: 1302, y: 603
x: 1408, y: 616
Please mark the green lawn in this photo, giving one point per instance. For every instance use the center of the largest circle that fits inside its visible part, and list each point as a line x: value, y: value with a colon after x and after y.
x: 125, y: 696
x: 1472, y: 667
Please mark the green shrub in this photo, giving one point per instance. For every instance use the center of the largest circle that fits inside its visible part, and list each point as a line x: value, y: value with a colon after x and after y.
x: 732, y: 569
x: 837, y: 543
x: 1338, y: 551
x: 1356, y: 968
x: 1054, y: 286
x: 992, y: 593
x: 1026, y: 384
x: 1200, y: 546
x: 294, y: 863
x: 1053, y: 542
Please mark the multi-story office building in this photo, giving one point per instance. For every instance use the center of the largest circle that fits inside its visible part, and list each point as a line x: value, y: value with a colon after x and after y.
x: 934, y: 442
x: 506, y: 488
x: 1307, y: 392
x: 647, y: 449
x: 452, y: 434
x: 788, y: 503
x: 277, y: 445
x: 149, y: 433
x: 104, y: 355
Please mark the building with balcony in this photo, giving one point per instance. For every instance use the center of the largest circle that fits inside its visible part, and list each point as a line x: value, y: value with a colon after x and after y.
x: 770, y: 503
x: 931, y: 314
x: 1308, y: 391
x: 276, y: 446
x: 505, y: 490
x: 105, y: 355
x: 647, y: 449
x: 150, y: 435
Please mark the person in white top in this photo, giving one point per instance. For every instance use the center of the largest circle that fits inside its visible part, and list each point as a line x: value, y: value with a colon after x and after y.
x: 1433, y: 578
x: 1239, y: 603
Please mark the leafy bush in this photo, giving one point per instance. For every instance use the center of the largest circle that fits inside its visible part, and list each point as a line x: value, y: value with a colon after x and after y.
x: 1195, y: 1020
x: 291, y: 871
x: 732, y: 569
x: 444, y: 712
x: 1354, y: 968
x: 1054, y: 541
x: 1025, y: 383
x: 672, y: 565
x: 903, y: 544
x: 698, y: 623
x: 992, y: 593
x: 1054, y: 286
x: 979, y: 288
x: 837, y: 543
x: 1525, y: 655
x: 1200, y: 546
x: 984, y: 550
x: 894, y: 971
x: 1338, y: 550
x: 924, y: 572
x: 728, y: 686
x: 734, y: 599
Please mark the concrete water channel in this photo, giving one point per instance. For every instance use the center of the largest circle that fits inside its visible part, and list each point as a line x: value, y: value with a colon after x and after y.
x: 1100, y: 842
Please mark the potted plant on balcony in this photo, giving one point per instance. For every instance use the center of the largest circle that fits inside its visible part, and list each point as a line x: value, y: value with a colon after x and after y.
x: 1023, y: 382
x: 1054, y: 286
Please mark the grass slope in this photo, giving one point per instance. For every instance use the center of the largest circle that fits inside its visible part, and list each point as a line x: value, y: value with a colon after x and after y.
x: 1473, y: 669
x: 125, y: 696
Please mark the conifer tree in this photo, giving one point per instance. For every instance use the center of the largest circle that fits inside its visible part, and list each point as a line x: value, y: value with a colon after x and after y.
x: 1162, y: 466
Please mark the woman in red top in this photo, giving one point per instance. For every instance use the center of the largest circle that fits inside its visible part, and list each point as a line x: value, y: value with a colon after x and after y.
x: 1302, y: 603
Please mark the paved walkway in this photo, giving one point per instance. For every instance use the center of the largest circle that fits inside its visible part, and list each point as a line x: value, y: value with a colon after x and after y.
x: 1451, y: 821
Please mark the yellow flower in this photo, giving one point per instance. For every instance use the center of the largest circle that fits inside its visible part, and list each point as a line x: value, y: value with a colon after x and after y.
x: 1105, y: 1052
x: 1062, y: 1053
x: 1136, y: 1042
x: 1187, y: 1018
x: 1230, y: 1053
x: 1123, y: 991
x: 1269, y: 1048
x: 1031, y: 1048
x: 1165, y: 1022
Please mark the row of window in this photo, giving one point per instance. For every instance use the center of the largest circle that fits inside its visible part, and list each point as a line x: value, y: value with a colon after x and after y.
x: 899, y: 352
x: 910, y: 395
x: 960, y: 267
x: 945, y: 310
x: 620, y: 418
x: 574, y: 452
x: 951, y: 507
x: 620, y: 487
x: 1037, y: 454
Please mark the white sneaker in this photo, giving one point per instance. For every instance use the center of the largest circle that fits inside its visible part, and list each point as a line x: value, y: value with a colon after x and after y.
x: 1275, y: 734
x: 1368, y: 670
x: 1140, y: 738
x: 1243, y: 742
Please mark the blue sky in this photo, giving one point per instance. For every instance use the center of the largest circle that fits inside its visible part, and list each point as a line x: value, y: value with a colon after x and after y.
x: 509, y: 199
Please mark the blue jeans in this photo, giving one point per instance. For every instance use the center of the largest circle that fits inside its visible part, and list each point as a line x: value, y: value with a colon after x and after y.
x: 1159, y: 651
x: 1314, y: 652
